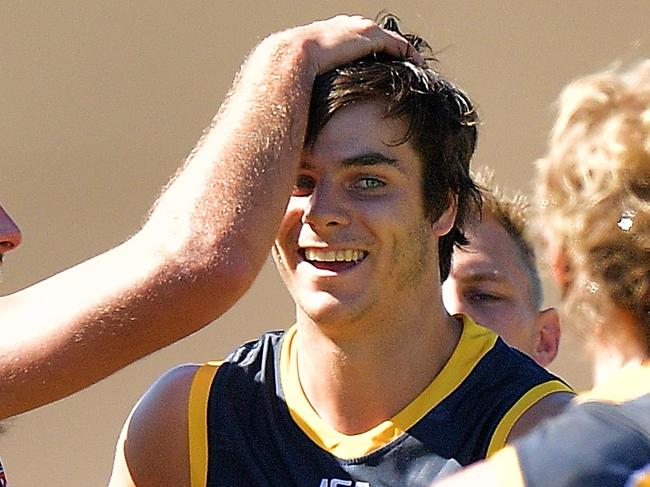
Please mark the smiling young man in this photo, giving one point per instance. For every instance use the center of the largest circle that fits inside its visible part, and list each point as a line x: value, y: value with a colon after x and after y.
x: 494, y: 278
x: 375, y: 384
x: 201, y: 247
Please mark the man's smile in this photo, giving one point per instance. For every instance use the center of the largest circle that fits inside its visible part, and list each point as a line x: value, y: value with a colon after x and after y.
x: 333, y: 260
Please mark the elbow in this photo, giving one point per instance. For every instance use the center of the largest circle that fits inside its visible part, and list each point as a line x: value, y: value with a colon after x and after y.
x: 236, y: 275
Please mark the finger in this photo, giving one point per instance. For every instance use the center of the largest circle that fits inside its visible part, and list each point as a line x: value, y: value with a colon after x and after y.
x: 343, y: 39
x: 388, y: 41
x: 399, y: 47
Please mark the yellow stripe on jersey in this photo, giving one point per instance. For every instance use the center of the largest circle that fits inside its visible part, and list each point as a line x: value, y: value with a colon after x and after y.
x: 197, y: 413
x: 474, y: 343
x: 505, y: 466
x: 534, y: 395
x: 642, y: 481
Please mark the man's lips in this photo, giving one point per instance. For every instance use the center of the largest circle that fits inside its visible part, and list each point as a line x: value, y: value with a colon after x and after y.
x: 333, y: 260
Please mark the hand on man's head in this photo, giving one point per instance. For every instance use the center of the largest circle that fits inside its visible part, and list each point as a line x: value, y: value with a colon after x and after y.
x: 342, y: 39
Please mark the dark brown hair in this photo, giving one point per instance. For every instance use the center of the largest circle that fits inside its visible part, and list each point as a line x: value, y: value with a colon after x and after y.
x: 442, y: 126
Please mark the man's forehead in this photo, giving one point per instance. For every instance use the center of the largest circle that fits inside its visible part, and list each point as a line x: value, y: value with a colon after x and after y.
x: 477, y: 267
x: 491, y: 255
x: 367, y: 118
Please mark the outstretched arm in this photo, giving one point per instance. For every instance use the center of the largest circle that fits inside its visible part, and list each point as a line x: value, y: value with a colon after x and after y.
x: 279, y: 74
x: 204, y: 242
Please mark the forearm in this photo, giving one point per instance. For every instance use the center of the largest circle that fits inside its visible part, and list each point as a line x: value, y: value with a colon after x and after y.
x: 224, y: 206
x: 75, y: 328
x: 205, y: 239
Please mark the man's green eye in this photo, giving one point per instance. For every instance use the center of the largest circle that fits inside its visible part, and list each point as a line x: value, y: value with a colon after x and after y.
x: 370, y: 183
x: 304, y: 186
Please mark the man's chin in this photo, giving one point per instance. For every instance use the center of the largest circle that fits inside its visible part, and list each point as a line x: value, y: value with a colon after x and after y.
x: 323, y: 307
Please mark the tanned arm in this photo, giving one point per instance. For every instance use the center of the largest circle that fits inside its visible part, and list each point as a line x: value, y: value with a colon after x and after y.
x: 203, y: 244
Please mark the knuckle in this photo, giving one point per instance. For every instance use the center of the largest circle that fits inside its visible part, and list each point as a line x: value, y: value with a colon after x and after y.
x: 341, y: 19
x: 367, y: 25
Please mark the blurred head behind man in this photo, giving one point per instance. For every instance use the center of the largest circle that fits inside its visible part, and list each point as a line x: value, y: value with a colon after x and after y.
x: 495, y: 279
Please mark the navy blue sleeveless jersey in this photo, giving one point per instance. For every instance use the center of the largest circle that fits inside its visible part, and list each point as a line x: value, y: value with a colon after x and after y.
x: 3, y: 477
x: 602, y: 440
x: 250, y: 423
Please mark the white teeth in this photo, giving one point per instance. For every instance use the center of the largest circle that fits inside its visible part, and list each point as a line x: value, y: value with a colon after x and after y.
x: 347, y: 255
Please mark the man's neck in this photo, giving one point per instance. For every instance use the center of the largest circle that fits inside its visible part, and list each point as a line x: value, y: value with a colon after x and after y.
x: 616, y: 347
x: 366, y: 373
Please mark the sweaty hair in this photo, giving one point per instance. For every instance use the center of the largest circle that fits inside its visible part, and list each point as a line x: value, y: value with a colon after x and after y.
x: 512, y: 212
x: 441, y: 120
x: 594, y: 192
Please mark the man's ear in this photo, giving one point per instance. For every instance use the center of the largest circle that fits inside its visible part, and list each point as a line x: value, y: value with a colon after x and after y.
x: 444, y: 224
x: 547, y: 324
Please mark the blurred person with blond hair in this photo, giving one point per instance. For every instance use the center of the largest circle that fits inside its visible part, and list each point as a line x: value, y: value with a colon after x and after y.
x: 594, y: 203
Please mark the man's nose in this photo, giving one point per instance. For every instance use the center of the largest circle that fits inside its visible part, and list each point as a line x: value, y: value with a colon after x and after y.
x: 326, y: 207
x: 10, y: 236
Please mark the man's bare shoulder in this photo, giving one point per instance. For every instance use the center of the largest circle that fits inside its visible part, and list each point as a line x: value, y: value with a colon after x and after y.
x: 153, y: 447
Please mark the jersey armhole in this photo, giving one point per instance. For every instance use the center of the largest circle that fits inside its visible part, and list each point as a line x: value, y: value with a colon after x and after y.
x: 529, y: 399
x: 197, y: 428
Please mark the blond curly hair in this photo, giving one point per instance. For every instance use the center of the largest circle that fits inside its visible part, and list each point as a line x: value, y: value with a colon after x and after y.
x: 593, y: 192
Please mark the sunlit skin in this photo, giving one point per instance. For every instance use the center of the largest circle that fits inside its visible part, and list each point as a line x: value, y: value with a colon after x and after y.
x: 489, y: 282
x: 358, y: 254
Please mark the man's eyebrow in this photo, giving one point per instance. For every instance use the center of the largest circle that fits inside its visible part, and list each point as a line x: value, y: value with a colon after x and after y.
x: 370, y: 159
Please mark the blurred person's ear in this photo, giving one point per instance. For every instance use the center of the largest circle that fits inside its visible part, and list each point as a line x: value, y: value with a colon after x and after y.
x: 559, y: 263
x: 547, y: 324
